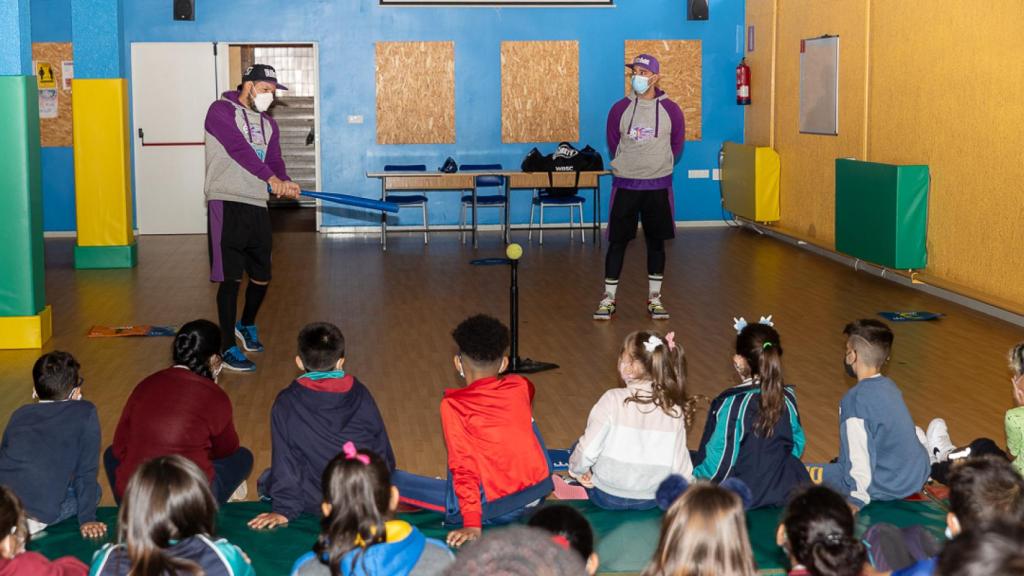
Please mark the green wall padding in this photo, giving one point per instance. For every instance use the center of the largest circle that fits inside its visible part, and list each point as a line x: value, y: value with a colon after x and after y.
x: 625, y: 540
x: 882, y: 213
x: 22, y: 287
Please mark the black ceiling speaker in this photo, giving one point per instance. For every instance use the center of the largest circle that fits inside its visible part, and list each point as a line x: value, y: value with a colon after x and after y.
x: 696, y: 9
x: 184, y: 9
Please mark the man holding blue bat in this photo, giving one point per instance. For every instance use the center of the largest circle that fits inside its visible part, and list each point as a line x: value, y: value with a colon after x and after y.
x: 243, y: 162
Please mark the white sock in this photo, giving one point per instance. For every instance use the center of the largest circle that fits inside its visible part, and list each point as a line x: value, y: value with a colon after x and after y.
x: 654, y: 284
x: 611, y: 286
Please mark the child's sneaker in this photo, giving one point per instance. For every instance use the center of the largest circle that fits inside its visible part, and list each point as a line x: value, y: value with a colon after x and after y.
x: 939, y: 443
x: 605, y: 309
x: 656, y: 309
x: 249, y: 337
x: 240, y: 493
x: 923, y: 439
x: 234, y: 359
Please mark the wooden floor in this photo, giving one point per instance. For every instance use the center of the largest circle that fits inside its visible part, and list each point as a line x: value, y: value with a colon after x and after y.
x: 397, y: 310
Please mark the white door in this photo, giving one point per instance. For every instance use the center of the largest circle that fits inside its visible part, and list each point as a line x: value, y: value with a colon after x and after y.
x: 173, y: 84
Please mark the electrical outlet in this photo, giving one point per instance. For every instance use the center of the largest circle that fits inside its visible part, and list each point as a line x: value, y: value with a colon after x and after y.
x: 355, y: 119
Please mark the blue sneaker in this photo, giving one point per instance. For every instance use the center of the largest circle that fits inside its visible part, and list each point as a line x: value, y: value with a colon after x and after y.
x: 249, y: 337
x: 235, y: 360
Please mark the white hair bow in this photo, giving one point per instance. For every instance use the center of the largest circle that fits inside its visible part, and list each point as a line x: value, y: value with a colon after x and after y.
x: 652, y: 343
x: 740, y: 323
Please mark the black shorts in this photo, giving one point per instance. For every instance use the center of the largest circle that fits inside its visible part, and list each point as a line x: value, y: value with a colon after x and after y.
x: 652, y: 207
x: 240, y: 241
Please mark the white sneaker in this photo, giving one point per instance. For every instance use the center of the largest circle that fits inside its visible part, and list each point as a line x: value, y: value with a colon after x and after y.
x: 240, y: 493
x: 605, y: 309
x: 923, y: 439
x: 939, y: 442
x: 656, y: 309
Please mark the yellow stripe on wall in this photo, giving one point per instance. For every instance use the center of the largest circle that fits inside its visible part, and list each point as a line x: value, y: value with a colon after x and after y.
x: 102, y: 163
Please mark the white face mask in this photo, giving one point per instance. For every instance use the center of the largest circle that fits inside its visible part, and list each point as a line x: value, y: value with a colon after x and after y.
x: 263, y: 101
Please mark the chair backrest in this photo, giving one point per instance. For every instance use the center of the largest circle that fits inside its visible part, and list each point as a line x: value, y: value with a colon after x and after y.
x: 484, y: 181
x: 405, y: 167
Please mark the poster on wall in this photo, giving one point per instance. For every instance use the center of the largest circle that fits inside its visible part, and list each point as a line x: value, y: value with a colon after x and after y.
x: 67, y: 72
x: 497, y: 2
x: 819, y: 85
x: 48, y: 105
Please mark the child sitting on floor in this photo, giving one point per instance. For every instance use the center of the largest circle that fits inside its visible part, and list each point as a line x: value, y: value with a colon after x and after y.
x: 357, y: 536
x: 704, y: 532
x: 569, y: 529
x: 753, y: 429
x: 50, y: 451
x: 636, y: 436
x: 166, y: 526
x: 497, y: 463
x: 817, y: 533
x: 880, y: 457
x: 309, y: 422
x: 13, y: 557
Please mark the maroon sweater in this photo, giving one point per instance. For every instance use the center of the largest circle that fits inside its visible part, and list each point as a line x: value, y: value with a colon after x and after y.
x: 174, y: 411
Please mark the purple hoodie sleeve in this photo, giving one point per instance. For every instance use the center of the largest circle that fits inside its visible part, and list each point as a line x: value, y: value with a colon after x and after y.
x: 614, y: 121
x: 678, y: 126
x: 274, y: 159
x: 220, y: 123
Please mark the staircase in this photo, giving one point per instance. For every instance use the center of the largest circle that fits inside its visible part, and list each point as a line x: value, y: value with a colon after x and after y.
x: 295, y: 119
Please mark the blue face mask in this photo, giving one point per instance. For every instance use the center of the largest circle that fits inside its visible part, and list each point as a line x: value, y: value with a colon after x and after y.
x: 641, y: 83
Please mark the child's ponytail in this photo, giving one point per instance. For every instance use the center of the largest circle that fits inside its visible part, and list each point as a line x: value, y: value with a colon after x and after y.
x: 357, y: 485
x: 819, y: 533
x: 760, y: 346
x: 664, y: 361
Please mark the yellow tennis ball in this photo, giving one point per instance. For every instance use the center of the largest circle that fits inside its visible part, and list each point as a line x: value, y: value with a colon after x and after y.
x: 514, y: 251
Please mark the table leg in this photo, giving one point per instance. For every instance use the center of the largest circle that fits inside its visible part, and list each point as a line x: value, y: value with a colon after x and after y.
x: 384, y: 215
x: 475, y: 222
x: 597, y: 212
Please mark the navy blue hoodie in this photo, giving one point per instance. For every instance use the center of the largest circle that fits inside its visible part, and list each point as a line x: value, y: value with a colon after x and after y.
x: 310, y: 420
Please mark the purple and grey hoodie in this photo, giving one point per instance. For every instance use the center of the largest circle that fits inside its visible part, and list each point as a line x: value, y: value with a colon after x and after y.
x: 645, y: 137
x: 243, y: 151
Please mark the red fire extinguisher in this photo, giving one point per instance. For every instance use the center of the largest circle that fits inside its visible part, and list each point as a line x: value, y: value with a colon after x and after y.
x: 743, y: 83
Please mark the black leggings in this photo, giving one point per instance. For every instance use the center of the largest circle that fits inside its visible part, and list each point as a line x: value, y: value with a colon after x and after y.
x: 617, y: 256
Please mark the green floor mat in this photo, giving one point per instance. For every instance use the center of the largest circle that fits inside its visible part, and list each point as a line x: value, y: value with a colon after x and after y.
x: 626, y: 540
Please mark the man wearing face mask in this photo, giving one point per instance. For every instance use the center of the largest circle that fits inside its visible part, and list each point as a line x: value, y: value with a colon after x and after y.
x: 645, y: 139
x: 243, y: 164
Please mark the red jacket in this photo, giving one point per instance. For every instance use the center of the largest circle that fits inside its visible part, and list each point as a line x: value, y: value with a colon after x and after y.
x: 174, y: 411
x: 488, y: 430
x: 36, y: 564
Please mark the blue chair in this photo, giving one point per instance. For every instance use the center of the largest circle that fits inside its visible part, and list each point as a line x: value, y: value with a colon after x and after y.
x: 545, y: 200
x: 483, y: 201
x: 409, y: 200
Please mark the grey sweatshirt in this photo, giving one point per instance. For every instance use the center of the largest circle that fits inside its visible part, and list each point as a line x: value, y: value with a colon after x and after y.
x: 243, y: 151
x: 645, y: 137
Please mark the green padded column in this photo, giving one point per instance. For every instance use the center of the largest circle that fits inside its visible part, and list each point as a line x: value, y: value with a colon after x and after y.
x: 882, y: 213
x: 22, y: 286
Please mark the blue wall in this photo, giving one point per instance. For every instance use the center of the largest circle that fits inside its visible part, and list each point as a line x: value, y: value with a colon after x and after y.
x: 51, y: 22
x: 347, y: 29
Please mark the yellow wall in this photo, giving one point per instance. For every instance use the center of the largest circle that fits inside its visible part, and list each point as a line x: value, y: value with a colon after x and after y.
x: 758, y: 129
x: 923, y: 83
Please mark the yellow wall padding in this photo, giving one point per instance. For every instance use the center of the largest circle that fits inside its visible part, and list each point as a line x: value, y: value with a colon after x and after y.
x: 415, y: 92
x: 540, y: 91
x: 103, y: 194
x: 917, y: 85
x: 681, y: 75
x: 26, y: 332
x: 750, y: 182
x: 758, y: 128
x: 55, y: 131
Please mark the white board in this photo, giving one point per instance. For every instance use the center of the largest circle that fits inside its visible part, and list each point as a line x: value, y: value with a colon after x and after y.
x: 819, y: 85
x: 173, y: 84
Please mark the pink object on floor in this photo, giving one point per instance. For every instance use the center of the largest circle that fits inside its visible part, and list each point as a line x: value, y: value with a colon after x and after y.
x: 566, y: 491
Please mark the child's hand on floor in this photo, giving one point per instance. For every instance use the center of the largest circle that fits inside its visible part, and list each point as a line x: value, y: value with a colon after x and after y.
x: 93, y: 530
x: 456, y: 538
x: 585, y: 480
x: 267, y: 520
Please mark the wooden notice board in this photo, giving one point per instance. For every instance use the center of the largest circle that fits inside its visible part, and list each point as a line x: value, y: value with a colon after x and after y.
x: 540, y: 91
x: 54, y: 92
x: 415, y: 92
x: 681, y: 72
